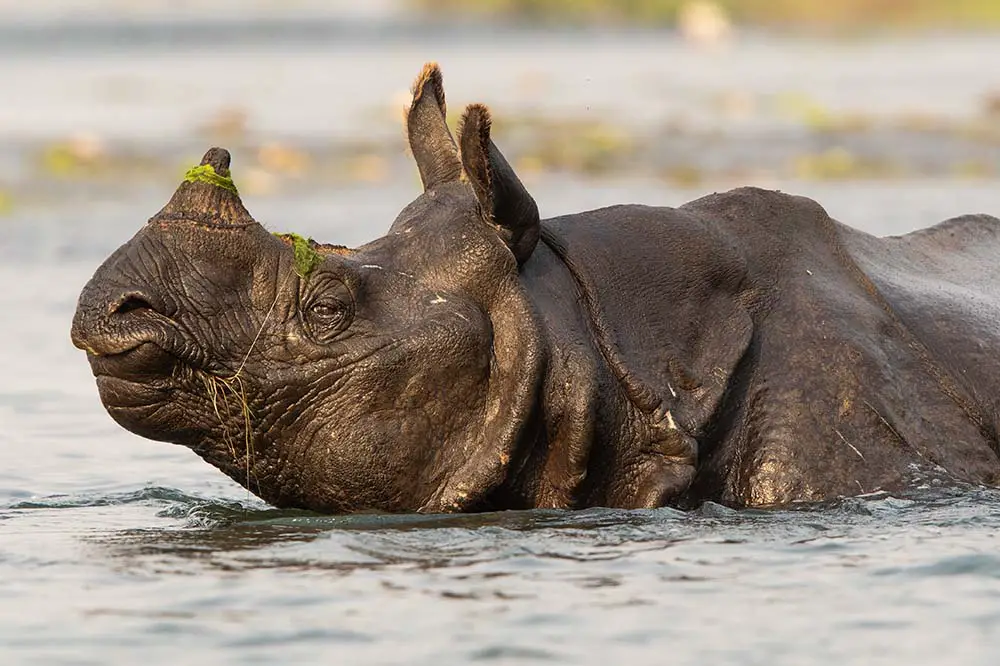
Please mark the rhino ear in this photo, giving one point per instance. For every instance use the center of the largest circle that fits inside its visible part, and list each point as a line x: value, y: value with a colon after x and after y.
x: 502, y: 198
x: 427, y: 130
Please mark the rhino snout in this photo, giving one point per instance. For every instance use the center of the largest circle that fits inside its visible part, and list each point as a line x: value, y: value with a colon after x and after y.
x: 113, y: 322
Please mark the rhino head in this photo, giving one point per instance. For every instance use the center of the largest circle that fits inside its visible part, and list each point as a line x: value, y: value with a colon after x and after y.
x: 398, y: 376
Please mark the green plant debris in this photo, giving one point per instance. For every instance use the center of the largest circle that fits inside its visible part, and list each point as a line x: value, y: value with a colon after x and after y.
x: 206, y: 173
x: 307, y: 258
x: 6, y: 202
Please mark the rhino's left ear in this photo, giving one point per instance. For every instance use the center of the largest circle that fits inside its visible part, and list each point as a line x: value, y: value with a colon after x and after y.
x: 427, y: 129
x: 502, y: 198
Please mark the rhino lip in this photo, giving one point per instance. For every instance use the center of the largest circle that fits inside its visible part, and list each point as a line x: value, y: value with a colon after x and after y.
x: 142, y: 361
x: 134, y: 341
x: 110, y: 347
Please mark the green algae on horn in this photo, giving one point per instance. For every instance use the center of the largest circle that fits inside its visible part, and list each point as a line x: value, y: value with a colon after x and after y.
x: 206, y: 173
x: 307, y: 258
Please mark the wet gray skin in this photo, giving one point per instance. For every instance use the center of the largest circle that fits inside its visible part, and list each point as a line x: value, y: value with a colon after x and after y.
x: 743, y: 348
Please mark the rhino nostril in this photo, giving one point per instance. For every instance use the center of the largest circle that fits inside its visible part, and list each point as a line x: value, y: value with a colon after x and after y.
x: 130, y: 302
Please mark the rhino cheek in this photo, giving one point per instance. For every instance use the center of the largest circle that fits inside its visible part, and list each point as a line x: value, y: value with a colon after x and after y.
x: 372, y: 461
x: 388, y: 437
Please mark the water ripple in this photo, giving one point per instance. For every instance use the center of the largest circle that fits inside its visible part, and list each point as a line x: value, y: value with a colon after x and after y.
x: 545, y: 583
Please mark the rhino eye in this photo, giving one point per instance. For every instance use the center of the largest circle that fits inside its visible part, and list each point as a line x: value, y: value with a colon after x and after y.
x: 327, y: 317
x: 327, y: 311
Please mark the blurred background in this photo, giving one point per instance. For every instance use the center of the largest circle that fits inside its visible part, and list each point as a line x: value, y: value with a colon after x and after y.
x: 106, y: 101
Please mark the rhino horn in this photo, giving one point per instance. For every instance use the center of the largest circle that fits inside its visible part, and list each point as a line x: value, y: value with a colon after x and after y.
x: 430, y: 139
x: 208, y: 195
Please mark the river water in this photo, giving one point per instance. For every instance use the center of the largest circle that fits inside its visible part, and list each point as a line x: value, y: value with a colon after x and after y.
x: 117, y: 550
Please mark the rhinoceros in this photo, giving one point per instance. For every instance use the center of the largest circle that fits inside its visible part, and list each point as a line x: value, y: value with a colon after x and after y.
x: 744, y: 348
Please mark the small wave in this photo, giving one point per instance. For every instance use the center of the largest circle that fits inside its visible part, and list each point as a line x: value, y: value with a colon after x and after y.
x: 976, y: 564
x: 507, y: 653
x: 142, y: 495
x: 193, y: 510
x: 217, y: 512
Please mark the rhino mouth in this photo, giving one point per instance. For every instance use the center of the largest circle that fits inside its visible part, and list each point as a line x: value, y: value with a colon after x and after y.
x: 139, y: 361
x: 137, y: 375
x: 145, y: 361
x: 140, y: 382
x: 142, y: 361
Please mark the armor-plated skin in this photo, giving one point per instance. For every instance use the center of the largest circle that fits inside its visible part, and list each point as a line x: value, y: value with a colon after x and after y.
x: 743, y: 348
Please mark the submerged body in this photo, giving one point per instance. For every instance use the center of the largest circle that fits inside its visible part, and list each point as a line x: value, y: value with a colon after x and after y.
x: 744, y: 348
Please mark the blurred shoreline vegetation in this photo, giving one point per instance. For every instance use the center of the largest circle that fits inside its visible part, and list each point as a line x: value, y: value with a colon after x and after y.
x: 818, y: 14
x: 805, y: 141
x: 735, y: 135
x: 813, y: 143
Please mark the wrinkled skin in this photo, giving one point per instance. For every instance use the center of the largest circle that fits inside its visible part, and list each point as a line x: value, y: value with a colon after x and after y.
x: 743, y: 348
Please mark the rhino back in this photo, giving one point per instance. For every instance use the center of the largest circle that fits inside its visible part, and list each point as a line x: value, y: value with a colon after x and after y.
x: 661, y: 286
x: 649, y: 296
x: 944, y: 285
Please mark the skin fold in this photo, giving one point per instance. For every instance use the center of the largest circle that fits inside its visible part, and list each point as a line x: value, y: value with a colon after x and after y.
x: 743, y: 348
